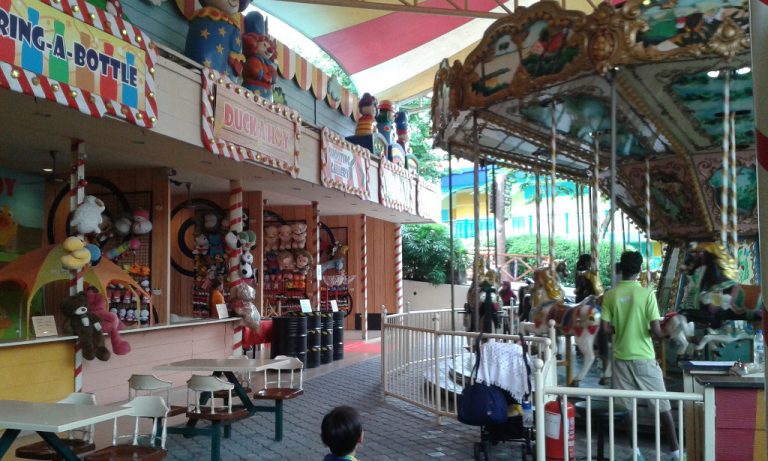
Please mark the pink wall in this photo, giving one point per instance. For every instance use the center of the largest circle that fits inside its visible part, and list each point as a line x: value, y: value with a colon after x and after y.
x: 149, y: 348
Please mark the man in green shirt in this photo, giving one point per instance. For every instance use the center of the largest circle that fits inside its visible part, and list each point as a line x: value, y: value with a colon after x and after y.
x: 631, y: 314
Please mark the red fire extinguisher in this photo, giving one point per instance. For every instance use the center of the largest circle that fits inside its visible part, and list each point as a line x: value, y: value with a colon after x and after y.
x: 554, y: 427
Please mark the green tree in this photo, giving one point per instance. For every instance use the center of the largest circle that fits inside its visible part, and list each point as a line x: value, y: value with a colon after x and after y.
x: 567, y: 250
x: 329, y: 65
x: 420, y: 128
x: 427, y: 252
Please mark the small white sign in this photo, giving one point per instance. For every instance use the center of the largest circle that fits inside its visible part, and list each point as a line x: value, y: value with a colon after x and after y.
x: 44, y: 325
x: 552, y: 425
x: 334, y: 306
x: 222, y: 310
x: 306, y: 306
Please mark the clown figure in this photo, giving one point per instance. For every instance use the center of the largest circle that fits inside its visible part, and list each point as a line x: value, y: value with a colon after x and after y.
x: 260, y: 70
x: 213, y: 38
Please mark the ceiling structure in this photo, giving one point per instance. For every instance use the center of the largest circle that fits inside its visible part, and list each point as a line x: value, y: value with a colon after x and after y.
x: 544, y: 67
x: 392, y: 48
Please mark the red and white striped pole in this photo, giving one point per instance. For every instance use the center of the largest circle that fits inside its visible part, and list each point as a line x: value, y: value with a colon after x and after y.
x: 76, y: 197
x: 316, y: 253
x: 399, y: 268
x: 758, y: 16
x: 235, y: 225
x: 364, y: 271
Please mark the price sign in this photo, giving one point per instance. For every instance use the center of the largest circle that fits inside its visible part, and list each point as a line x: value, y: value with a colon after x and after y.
x: 222, y: 310
x: 44, y: 325
x: 306, y: 306
x: 334, y: 306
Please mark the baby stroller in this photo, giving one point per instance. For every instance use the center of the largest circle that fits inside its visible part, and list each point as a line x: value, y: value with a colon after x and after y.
x: 512, y: 431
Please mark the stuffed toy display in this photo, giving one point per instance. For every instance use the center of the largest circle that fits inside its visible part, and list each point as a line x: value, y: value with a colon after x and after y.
x: 202, y: 244
x: 110, y: 323
x: 141, y: 223
x: 216, y: 244
x: 115, y: 253
x: 285, y: 234
x: 285, y: 259
x: 87, y: 216
x: 77, y: 254
x: 86, y: 326
x: 299, y: 231
x: 270, y: 238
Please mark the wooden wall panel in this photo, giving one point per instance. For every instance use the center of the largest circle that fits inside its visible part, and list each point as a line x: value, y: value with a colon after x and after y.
x: 381, y: 265
x: 37, y: 372
x: 353, y: 264
x: 109, y: 380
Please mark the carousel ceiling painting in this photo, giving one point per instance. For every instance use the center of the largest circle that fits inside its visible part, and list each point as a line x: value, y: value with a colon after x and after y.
x: 680, y: 72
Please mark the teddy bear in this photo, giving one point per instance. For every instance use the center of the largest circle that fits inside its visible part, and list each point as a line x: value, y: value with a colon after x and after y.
x: 110, y: 323
x: 241, y: 299
x: 141, y: 223
x: 87, y: 216
x: 86, y: 326
x: 299, y: 235
x: 285, y: 234
x: 270, y: 238
x: 201, y: 245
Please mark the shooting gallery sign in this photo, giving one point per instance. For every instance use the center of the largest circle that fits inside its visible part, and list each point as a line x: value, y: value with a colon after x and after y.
x: 241, y: 125
x: 397, y: 187
x: 343, y: 165
x: 80, y: 56
x: 428, y: 199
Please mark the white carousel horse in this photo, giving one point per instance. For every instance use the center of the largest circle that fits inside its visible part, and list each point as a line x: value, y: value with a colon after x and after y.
x: 677, y: 327
x: 581, y: 320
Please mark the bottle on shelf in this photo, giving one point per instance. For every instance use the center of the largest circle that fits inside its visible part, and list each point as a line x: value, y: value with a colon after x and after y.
x: 758, y: 348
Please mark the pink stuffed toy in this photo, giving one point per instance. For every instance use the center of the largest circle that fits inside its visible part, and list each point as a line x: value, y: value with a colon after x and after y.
x: 110, y: 323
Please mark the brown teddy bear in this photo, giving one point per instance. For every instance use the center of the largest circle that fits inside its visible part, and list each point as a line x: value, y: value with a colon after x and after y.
x: 86, y: 326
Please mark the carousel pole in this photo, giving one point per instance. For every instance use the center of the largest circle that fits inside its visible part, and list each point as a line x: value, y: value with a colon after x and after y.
x: 476, y: 200
x: 595, y: 234
x: 76, y: 197
x: 487, y: 217
x: 613, y: 179
x: 758, y: 16
x: 734, y: 190
x: 363, y: 269
x: 452, y: 261
x: 647, y: 222
x: 236, y: 225
x: 538, y: 218
x: 553, y: 181
x: 578, y: 219
x: 726, y: 160
x: 623, y: 234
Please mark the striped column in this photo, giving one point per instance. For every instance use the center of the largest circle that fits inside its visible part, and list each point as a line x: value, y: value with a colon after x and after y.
x: 235, y: 225
x: 553, y: 181
x: 364, y: 267
x: 594, y: 234
x: 399, y: 268
x: 647, y: 222
x: 726, y: 160
x: 78, y: 368
x: 734, y: 190
x: 76, y: 196
x: 316, y: 252
x: 538, y: 219
x: 758, y: 15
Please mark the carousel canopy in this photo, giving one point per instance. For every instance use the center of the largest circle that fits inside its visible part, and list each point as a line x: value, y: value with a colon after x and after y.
x: 667, y: 60
x: 392, y: 48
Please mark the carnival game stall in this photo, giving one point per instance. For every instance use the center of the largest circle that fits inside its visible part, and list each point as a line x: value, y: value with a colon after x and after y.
x: 172, y: 171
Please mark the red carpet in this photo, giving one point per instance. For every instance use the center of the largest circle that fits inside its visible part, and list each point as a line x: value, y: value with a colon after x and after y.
x: 360, y: 346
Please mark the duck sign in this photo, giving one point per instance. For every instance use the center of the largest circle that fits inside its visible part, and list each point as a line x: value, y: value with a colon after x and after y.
x: 70, y: 52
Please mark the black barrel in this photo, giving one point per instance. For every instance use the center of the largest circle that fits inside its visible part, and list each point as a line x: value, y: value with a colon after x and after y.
x: 313, y: 339
x: 289, y: 337
x: 338, y: 335
x: 326, y: 337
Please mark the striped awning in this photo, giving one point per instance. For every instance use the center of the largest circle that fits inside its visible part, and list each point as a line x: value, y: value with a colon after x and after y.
x: 392, y: 54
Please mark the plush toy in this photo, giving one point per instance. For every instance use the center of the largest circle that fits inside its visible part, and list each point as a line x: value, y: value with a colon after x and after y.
x: 77, y: 254
x: 141, y: 223
x: 270, y: 238
x: 210, y: 221
x: 116, y: 252
x: 285, y: 259
x: 366, y: 122
x: 241, y: 299
x: 123, y: 226
x: 130, y: 315
x: 95, y: 252
x: 246, y: 265
x: 201, y: 245
x: 260, y: 69
x: 216, y: 244
x: 86, y: 326
x: 272, y: 266
x: 285, y: 234
x: 303, y: 261
x: 231, y: 241
x: 110, y: 323
x: 87, y: 216
x: 299, y: 235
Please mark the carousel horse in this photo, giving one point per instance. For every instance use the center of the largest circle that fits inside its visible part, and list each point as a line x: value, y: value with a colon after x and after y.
x: 678, y: 329
x: 581, y: 320
x: 524, y: 292
x: 487, y: 323
x: 587, y: 283
x: 712, y: 294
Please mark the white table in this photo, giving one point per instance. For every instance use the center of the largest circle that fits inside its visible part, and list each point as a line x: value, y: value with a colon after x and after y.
x: 49, y: 418
x: 222, y: 365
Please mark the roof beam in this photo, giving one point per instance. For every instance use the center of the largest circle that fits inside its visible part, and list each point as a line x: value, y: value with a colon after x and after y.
x: 454, y: 9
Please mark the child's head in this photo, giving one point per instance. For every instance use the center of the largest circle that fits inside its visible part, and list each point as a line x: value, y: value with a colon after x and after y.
x: 342, y: 430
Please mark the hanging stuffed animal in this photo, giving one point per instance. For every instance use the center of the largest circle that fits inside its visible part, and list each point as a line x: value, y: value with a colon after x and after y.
x: 141, y: 223
x: 115, y: 253
x: 299, y: 235
x: 86, y: 326
x: 77, y: 255
x: 285, y: 234
x: 110, y: 324
x: 216, y: 244
x: 241, y: 299
x: 201, y: 245
x: 122, y: 226
x: 87, y: 216
x: 246, y: 265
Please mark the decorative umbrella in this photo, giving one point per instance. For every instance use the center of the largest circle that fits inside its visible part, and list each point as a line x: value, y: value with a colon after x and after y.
x: 35, y: 269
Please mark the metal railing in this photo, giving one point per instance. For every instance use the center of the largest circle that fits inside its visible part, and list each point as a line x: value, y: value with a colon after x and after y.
x: 428, y: 367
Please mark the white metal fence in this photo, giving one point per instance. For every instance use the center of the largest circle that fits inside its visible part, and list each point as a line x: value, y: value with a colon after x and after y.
x: 426, y: 364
